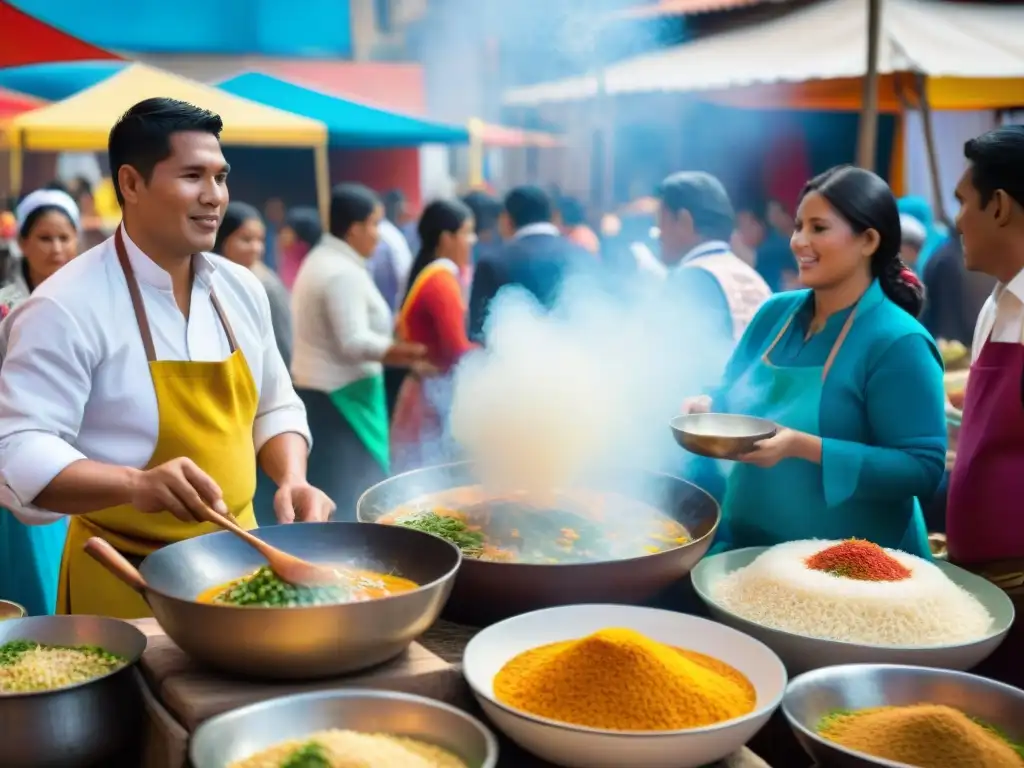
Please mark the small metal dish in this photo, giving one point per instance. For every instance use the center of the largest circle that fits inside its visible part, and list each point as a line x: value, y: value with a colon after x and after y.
x: 721, y: 435
x: 815, y: 695
x: 235, y: 735
x: 11, y: 610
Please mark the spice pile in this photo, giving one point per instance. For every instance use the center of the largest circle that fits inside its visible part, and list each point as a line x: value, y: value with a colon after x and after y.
x: 923, y: 735
x: 853, y: 592
x: 619, y: 680
x: 860, y: 560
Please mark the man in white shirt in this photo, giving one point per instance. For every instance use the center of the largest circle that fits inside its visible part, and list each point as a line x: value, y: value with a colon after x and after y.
x: 984, y: 522
x: 138, y: 388
x: 716, y: 288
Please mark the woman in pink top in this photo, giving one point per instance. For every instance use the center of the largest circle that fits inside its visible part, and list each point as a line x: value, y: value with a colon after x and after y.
x: 300, y: 233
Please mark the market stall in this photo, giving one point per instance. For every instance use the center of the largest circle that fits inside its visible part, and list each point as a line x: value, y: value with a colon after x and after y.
x: 489, y: 137
x: 932, y: 55
x: 82, y: 122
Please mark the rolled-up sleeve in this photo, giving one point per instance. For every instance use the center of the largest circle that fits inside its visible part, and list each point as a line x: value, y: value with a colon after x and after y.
x: 280, y: 409
x: 349, y: 316
x: 45, y: 383
x: 905, y: 403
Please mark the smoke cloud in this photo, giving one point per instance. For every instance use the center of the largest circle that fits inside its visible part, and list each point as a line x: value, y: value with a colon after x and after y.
x: 556, y: 395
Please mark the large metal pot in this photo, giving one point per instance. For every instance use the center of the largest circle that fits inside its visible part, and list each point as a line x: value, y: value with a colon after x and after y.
x: 293, y: 643
x: 92, y: 724
x: 486, y: 592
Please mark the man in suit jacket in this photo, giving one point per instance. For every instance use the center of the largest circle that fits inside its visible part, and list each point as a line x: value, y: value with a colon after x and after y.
x: 534, y: 256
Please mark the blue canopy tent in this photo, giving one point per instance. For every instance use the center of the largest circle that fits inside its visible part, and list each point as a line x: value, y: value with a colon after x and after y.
x: 58, y: 80
x: 349, y: 123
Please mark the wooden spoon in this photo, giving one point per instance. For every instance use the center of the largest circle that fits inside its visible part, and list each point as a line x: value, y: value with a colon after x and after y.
x: 288, y: 567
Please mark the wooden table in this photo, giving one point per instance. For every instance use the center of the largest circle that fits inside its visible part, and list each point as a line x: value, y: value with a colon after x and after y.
x: 179, y: 694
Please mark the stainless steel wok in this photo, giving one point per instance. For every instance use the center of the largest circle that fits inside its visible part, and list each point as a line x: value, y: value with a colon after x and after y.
x: 302, y: 642
x: 94, y: 723
x: 486, y: 592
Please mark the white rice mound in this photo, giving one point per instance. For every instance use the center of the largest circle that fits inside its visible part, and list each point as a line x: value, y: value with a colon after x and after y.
x: 779, y: 591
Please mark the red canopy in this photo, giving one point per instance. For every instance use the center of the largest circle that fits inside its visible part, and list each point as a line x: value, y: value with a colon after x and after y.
x: 12, y: 104
x: 25, y: 39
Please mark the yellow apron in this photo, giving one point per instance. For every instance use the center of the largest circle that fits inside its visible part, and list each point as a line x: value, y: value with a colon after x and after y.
x: 206, y: 412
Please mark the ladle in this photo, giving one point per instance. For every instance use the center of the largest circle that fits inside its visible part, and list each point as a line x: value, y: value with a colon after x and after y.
x: 288, y: 567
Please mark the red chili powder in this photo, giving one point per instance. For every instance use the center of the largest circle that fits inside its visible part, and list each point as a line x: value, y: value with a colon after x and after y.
x: 860, y: 560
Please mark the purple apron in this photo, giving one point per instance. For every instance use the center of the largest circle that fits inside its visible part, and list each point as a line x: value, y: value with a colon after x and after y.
x: 984, y: 523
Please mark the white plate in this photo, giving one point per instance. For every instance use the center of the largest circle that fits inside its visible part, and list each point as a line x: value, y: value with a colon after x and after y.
x: 578, y: 747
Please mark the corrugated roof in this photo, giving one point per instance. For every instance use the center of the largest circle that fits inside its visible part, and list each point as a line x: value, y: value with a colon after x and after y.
x: 942, y: 39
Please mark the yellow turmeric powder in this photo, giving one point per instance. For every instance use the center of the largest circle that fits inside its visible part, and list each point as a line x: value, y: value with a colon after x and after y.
x: 619, y: 680
x: 923, y: 735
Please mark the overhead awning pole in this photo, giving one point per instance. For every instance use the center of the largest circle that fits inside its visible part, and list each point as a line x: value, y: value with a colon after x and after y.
x: 867, y: 136
x: 476, y: 153
x: 921, y: 82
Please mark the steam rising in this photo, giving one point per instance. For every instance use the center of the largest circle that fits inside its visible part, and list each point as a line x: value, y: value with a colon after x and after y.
x: 557, y: 395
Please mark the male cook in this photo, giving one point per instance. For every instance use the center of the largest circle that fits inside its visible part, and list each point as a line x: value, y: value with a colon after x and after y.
x: 984, y: 519
x: 140, y: 383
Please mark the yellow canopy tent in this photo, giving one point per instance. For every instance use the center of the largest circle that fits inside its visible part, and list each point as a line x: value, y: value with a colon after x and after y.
x: 82, y: 123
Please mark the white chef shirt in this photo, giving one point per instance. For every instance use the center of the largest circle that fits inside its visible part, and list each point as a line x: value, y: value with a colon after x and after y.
x: 75, y: 382
x: 343, y: 326
x: 1002, y: 316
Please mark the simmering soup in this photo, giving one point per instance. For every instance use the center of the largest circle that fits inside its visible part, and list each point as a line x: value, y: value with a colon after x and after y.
x: 265, y: 589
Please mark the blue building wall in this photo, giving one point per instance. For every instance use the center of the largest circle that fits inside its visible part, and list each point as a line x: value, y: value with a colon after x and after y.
x: 308, y: 28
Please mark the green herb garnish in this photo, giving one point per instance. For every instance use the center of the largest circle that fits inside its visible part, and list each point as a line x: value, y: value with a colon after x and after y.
x: 448, y: 528
x: 309, y: 755
x: 265, y: 589
x: 15, y: 649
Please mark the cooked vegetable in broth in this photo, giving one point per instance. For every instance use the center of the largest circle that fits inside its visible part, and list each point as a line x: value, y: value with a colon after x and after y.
x: 564, y: 527
x: 265, y: 589
x: 27, y: 666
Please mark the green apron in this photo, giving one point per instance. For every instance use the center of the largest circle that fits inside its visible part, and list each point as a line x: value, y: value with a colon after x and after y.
x: 363, y: 404
x: 769, y: 506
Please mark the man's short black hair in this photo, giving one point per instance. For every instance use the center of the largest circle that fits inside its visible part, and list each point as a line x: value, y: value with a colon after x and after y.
x: 141, y: 138
x: 997, y: 162
x: 350, y: 205
x: 486, y: 210
x: 706, y: 200
x: 528, y: 205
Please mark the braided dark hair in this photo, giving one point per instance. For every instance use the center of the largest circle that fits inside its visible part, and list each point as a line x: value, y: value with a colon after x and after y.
x: 865, y: 201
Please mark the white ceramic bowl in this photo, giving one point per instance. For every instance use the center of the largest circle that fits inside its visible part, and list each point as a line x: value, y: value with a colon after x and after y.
x: 578, y: 747
x: 802, y: 654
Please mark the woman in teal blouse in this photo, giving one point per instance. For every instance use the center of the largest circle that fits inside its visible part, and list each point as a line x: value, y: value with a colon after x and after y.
x: 851, y: 377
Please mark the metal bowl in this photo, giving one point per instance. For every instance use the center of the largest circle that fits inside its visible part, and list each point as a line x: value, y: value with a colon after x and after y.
x: 571, y: 745
x: 801, y: 653
x: 721, y: 435
x: 11, y: 610
x: 486, y: 592
x: 301, y: 642
x: 97, y: 722
x: 240, y: 733
x: 817, y: 694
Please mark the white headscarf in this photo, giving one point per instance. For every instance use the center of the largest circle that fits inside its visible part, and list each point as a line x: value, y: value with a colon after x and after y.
x: 46, y: 197
x: 913, y: 231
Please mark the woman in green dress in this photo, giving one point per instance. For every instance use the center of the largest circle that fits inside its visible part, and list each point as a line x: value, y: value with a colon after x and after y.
x: 849, y: 375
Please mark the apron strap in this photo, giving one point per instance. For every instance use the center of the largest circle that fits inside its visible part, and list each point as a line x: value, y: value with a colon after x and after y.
x: 140, y: 308
x: 832, y: 353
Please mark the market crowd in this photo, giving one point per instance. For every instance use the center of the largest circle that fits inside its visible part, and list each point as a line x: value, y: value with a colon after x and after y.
x: 264, y: 332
